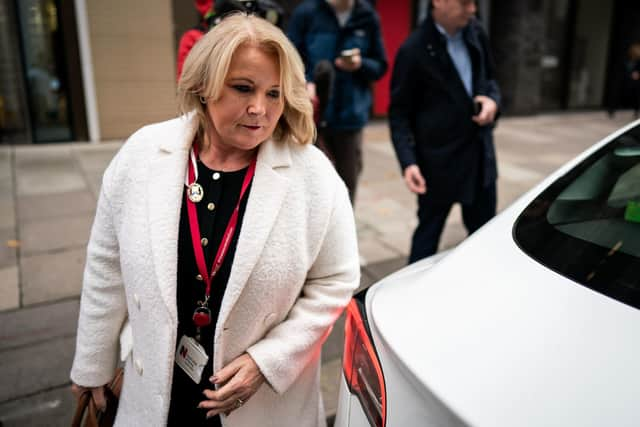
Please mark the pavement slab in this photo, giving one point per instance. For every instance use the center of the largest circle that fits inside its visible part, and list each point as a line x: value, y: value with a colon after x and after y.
x: 399, y: 241
x: 330, y: 385
x: 50, y: 408
x: 54, y: 234
x: 7, y: 211
x: 381, y: 269
x: 6, y: 171
x: 94, y: 181
x: 95, y: 159
x: 9, y: 288
x: 366, y: 279
x: 47, y: 206
x: 8, y: 249
x: 32, y: 369
x: 333, y: 347
x: 373, y: 250
x: 33, y: 325
x: 46, y: 169
x: 51, y: 276
x: 7, y: 201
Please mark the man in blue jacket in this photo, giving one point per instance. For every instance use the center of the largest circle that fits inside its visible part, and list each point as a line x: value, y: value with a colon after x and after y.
x: 444, y: 101
x: 347, y: 34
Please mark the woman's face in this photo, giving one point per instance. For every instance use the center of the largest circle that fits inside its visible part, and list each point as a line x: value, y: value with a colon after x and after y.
x: 251, y: 101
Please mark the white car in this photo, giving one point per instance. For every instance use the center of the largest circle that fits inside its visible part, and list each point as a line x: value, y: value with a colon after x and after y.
x: 534, y: 320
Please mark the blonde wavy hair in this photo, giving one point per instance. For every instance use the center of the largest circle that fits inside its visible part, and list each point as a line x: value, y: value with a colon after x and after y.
x: 207, y: 66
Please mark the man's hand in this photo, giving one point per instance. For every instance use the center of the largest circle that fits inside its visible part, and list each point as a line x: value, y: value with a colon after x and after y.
x: 414, y: 179
x: 96, y: 392
x: 240, y: 379
x: 487, y: 113
x: 351, y: 63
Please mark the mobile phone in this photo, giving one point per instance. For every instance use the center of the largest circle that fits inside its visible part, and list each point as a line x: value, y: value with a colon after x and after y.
x: 477, y: 108
x: 348, y: 54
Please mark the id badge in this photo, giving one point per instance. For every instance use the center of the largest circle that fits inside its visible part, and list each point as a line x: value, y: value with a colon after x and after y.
x: 191, y: 358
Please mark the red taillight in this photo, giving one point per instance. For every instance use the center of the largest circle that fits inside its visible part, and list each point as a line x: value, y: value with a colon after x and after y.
x: 362, y: 368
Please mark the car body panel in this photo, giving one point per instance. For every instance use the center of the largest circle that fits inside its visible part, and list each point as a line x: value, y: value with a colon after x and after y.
x: 349, y: 412
x: 514, y: 349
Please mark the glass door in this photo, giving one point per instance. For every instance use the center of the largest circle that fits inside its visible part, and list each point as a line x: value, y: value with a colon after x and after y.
x: 589, y: 60
x: 14, y: 112
x: 554, y: 62
x: 45, y: 70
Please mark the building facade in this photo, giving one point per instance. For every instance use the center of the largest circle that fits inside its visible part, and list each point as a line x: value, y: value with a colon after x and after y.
x: 90, y: 70
x: 84, y: 70
x: 562, y: 54
x: 554, y: 54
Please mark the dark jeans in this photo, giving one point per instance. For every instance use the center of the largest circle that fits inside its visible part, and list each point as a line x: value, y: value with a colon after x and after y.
x: 344, y: 148
x: 433, y: 214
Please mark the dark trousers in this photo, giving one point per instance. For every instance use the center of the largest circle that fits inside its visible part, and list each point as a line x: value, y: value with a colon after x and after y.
x: 433, y: 214
x: 344, y: 148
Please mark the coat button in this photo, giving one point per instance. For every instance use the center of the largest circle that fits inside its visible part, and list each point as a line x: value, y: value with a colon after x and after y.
x: 138, y: 366
x: 216, y: 176
x: 211, y: 206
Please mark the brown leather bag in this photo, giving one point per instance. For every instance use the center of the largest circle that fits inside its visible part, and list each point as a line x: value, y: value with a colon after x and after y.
x: 87, y: 413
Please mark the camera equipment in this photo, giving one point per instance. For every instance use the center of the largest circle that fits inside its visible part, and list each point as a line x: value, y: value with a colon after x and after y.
x: 267, y: 9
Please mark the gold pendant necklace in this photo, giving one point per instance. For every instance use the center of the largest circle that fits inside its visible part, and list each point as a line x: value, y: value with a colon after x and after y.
x: 195, y: 192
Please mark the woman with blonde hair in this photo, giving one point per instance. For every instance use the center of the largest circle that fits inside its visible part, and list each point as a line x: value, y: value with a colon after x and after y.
x: 223, y: 248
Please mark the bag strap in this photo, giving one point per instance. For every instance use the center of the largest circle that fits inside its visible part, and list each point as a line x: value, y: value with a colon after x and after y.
x: 116, y: 382
x: 85, y: 411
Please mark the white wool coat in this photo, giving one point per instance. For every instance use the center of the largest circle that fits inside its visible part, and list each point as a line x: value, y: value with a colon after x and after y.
x: 295, y: 268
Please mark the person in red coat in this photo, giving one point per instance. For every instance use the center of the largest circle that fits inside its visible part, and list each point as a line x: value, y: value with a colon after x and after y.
x: 191, y: 36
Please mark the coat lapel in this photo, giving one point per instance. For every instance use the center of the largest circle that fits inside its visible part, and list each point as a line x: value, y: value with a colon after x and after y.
x: 266, y: 197
x: 165, y: 193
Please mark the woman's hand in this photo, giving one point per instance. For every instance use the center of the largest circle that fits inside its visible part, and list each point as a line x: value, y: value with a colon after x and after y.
x: 240, y: 379
x: 96, y: 392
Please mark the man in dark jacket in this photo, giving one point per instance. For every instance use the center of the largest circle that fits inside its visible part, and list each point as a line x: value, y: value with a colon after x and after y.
x: 347, y: 34
x: 444, y: 100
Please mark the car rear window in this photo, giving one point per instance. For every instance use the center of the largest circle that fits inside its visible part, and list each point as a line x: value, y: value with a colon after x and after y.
x: 586, y: 225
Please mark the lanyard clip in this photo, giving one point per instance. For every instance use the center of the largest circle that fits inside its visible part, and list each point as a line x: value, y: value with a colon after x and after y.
x: 204, y: 303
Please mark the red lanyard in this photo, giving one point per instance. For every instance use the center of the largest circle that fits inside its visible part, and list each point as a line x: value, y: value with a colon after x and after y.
x: 228, y: 233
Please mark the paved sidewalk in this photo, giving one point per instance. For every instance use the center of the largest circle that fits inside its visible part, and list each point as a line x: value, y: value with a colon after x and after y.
x: 47, y: 201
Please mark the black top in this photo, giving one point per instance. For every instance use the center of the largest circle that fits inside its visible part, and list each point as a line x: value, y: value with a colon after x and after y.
x: 221, y: 192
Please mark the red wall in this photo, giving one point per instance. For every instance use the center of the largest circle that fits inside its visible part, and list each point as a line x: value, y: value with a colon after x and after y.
x: 395, y: 17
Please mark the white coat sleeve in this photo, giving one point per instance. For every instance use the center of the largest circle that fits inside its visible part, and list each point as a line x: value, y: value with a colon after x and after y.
x: 102, y: 304
x: 287, y: 349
